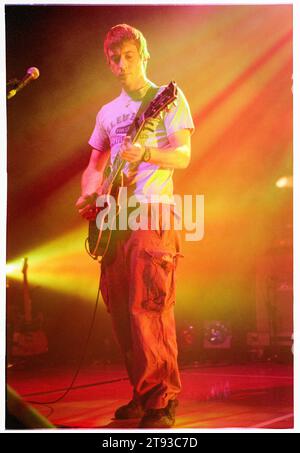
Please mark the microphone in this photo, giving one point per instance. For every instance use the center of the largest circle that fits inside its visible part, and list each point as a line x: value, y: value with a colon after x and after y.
x: 31, y: 74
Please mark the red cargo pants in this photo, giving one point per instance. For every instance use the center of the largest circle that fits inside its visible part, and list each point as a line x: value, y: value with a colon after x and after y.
x: 138, y: 288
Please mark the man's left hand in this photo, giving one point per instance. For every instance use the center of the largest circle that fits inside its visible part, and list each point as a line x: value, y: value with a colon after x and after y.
x: 131, y: 152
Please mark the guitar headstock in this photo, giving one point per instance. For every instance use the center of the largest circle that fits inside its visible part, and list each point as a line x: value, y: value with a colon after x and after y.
x: 162, y: 102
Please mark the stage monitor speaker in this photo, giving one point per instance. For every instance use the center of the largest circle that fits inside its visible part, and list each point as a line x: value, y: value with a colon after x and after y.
x: 21, y: 415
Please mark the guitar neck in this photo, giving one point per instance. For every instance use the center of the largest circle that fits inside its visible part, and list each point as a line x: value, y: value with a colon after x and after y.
x: 154, y: 108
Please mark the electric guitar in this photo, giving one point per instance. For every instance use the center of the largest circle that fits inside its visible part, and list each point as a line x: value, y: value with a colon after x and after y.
x: 29, y: 339
x: 97, y: 242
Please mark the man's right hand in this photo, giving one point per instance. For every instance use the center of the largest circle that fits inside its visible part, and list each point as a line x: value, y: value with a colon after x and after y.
x: 86, y: 205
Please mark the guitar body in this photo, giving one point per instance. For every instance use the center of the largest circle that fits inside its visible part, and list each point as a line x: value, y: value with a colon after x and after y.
x: 99, y: 235
x: 98, y: 240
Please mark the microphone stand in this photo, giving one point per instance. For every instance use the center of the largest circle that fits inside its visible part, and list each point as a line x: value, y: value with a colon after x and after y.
x: 11, y: 85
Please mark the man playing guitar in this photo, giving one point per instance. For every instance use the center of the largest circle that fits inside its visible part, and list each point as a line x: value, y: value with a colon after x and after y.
x: 138, y: 271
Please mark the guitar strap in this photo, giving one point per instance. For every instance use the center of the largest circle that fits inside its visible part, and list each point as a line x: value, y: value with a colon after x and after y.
x: 149, y: 96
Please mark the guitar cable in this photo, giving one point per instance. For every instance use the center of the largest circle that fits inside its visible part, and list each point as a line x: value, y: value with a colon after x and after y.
x: 81, y: 358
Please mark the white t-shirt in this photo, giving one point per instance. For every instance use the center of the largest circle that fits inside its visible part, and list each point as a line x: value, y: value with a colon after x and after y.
x: 112, y: 123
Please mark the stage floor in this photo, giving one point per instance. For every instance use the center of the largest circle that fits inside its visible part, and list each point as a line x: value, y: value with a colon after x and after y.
x: 245, y: 396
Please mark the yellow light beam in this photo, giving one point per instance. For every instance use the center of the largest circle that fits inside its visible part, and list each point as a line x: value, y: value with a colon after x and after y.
x: 61, y: 265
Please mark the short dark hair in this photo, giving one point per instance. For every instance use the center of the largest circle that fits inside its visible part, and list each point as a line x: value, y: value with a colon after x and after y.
x: 123, y: 32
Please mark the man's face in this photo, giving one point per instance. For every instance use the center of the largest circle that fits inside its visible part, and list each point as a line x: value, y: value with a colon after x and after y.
x: 127, y: 65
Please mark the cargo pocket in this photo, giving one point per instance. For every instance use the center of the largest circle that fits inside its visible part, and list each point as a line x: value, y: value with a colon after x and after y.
x: 159, y: 279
